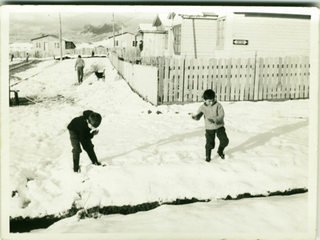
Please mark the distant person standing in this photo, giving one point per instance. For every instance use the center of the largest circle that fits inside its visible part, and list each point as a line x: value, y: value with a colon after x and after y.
x: 141, y: 45
x: 79, y: 66
x: 12, y: 56
x: 27, y: 58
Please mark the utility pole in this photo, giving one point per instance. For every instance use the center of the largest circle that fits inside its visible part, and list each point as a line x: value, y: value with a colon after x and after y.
x: 60, y: 38
x: 113, y: 30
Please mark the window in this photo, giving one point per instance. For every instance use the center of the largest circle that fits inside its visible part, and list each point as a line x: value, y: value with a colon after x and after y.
x: 38, y: 45
x: 134, y: 43
x: 177, y: 39
x: 117, y: 43
x: 56, y: 45
x: 221, y: 23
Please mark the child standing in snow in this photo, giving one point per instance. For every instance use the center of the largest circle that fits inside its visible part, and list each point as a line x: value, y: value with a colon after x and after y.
x: 82, y: 129
x: 213, y: 118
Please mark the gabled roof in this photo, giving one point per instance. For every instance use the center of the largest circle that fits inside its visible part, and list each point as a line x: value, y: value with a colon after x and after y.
x: 162, y: 20
x: 119, y: 34
x: 149, y: 28
x: 50, y: 35
x: 146, y: 27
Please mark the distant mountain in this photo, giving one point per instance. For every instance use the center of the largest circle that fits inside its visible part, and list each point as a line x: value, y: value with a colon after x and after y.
x: 105, y: 28
x: 82, y: 31
x: 124, y: 23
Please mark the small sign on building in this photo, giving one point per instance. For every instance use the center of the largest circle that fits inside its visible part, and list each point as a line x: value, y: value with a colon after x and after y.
x: 240, y: 42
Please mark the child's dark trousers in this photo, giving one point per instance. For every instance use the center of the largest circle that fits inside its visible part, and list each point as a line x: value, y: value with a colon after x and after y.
x: 210, y: 140
x: 76, y: 150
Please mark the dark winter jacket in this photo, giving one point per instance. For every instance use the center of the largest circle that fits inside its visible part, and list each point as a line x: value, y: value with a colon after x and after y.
x: 79, y: 125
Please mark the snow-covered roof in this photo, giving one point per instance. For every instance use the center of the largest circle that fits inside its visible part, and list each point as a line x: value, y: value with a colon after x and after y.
x: 119, y: 34
x: 20, y: 46
x: 51, y: 35
x: 162, y: 18
x: 84, y: 45
x: 101, y: 43
x: 192, y: 14
x: 147, y: 27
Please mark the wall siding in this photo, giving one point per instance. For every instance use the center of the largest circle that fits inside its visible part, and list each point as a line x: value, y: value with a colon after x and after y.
x: 153, y: 45
x: 205, y: 32
x: 269, y: 37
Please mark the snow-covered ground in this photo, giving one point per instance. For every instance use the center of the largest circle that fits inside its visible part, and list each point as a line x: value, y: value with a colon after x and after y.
x: 156, y: 154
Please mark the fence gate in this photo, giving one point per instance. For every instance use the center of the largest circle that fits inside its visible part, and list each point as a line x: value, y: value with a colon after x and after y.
x: 185, y: 80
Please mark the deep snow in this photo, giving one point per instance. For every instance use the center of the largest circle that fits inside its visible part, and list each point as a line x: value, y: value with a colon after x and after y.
x: 156, y: 154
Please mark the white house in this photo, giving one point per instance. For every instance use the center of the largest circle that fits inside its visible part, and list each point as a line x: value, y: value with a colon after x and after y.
x: 49, y: 45
x: 246, y: 34
x: 231, y: 35
x: 194, y: 35
x: 179, y: 35
x: 122, y: 40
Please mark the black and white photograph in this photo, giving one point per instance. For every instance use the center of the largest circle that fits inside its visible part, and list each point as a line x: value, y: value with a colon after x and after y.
x: 159, y: 122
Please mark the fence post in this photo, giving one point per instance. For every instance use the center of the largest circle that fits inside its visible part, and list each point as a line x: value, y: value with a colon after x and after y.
x: 183, y: 76
x: 255, y: 78
x: 160, y: 81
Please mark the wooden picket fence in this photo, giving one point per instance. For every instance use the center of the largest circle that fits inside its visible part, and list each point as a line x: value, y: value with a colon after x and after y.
x: 253, y: 79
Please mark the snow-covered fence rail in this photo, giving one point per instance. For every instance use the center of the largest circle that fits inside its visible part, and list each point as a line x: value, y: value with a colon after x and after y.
x: 184, y: 80
x: 142, y: 79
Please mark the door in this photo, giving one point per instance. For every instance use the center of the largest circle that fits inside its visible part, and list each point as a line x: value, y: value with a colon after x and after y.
x: 46, y: 46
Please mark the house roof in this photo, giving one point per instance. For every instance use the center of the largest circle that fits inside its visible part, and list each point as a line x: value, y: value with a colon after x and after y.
x: 50, y: 35
x: 146, y: 27
x: 84, y: 45
x: 190, y: 15
x: 149, y: 28
x: 162, y: 19
x: 274, y: 15
x: 20, y: 46
x: 119, y: 34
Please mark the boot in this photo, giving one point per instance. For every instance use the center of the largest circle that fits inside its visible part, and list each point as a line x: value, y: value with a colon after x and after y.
x: 76, y: 160
x: 220, y: 152
x: 208, y: 154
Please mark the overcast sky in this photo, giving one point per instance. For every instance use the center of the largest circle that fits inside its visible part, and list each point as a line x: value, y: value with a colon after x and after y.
x: 32, y: 20
x: 36, y: 22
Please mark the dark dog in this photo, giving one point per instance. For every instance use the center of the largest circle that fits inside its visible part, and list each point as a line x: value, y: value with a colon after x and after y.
x: 100, y: 75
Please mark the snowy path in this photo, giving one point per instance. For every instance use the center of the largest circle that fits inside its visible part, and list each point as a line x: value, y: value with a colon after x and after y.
x: 149, y: 156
